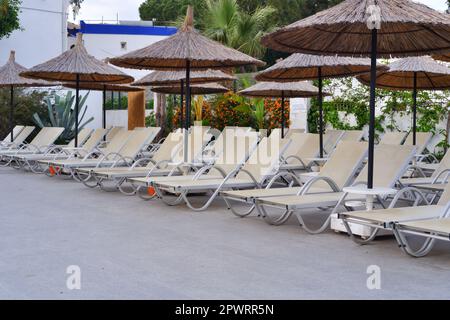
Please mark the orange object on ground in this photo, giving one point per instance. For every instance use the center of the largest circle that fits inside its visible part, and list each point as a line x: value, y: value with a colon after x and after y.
x: 151, y: 191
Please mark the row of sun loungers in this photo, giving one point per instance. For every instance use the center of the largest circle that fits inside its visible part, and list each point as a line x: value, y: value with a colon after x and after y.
x: 269, y: 176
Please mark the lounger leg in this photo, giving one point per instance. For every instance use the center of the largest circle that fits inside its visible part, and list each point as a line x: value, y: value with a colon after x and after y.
x: 274, y: 222
x: 86, y: 180
x: 144, y: 196
x: 166, y: 199
x: 358, y: 240
x: 406, y: 247
x: 236, y: 212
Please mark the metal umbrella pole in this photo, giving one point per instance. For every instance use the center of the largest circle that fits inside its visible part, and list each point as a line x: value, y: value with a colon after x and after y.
x: 11, y: 113
x: 415, y: 110
x: 77, y: 101
x: 320, y: 98
x: 187, y: 119
x: 373, y: 80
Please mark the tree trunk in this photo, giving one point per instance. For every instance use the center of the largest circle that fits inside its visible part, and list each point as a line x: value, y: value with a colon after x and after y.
x: 160, y: 113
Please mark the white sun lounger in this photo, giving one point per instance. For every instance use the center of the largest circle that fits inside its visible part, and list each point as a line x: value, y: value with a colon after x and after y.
x: 15, y: 132
x: 92, y: 158
x: 252, y: 174
x: 394, y: 138
x: 385, y: 219
x: 390, y: 164
x: 19, y: 139
x: 43, y: 142
x: 339, y: 172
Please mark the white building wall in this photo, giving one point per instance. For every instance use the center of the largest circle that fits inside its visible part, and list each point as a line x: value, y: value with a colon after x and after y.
x: 44, y: 34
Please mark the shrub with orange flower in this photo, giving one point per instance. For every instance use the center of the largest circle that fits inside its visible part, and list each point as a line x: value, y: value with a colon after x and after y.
x: 227, y: 113
x: 206, y: 115
x: 273, y: 113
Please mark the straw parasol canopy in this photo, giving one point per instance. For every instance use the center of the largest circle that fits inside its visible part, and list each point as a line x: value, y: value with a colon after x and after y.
x: 375, y: 28
x: 442, y: 57
x: 104, y: 87
x: 76, y: 65
x: 307, y: 67
x: 283, y: 90
x: 196, y: 89
x: 415, y: 73
x: 429, y: 74
x: 286, y: 89
x: 169, y: 78
x: 407, y: 29
x: 10, y: 78
x: 186, y: 50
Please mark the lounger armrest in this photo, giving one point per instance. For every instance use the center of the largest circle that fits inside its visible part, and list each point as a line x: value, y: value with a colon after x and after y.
x: 285, y: 160
x: 138, y: 163
x: 419, y: 196
x: 418, y: 169
x: 113, y: 156
x: 445, y: 172
x: 251, y: 177
x: 314, y: 180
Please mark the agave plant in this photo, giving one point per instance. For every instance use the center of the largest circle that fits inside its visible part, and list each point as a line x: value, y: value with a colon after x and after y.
x: 61, y: 114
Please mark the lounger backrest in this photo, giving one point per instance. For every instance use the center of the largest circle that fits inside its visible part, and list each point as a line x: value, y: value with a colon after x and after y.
x: 308, y: 149
x: 395, y: 138
x: 137, y: 141
x: 353, y: 135
x: 47, y: 136
x: 343, y: 164
x: 445, y: 196
x: 197, y: 139
x: 265, y: 161
x: 16, y: 131
x: 390, y: 163
x: 168, y: 148
x: 95, y: 138
x: 83, y: 135
x: 112, y: 132
x: 331, y: 139
x: 116, y: 143
x: 290, y: 132
x: 443, y: 165
x: 422, y: 141
x: 237, y: 152
x: 24, y: 134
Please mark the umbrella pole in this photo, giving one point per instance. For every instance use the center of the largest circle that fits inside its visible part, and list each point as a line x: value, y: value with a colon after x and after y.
x: 415, y: 110
x: 320, y: 97
x: 373, y: 80
x: 182, y: 103
x: 104, y: 110
x: 282, y: 115
x: 11, y: 113
x: 77, y: 101
x: 187, y: 109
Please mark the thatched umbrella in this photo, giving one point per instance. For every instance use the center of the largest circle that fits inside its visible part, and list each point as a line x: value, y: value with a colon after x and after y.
x: 299, y: 67
x: 95, y: 86
x: 77, y: 66
x: 442, y: 57
x: 283, y: 90
x: 10, y: 78
x: 196, y: 89
x: 415, y: 73
x: 172, y: 78
x: 351, y: 28
x: 186, y: 50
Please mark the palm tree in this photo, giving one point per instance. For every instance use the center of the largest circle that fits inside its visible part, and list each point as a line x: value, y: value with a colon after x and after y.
x: 227, y: 23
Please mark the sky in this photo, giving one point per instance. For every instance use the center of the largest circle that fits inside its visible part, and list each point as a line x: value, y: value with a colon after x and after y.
x: 128, y: 10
